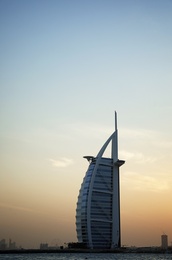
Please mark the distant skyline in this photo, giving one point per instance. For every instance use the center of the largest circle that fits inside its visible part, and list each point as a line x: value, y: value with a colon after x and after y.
x: 65, y: 67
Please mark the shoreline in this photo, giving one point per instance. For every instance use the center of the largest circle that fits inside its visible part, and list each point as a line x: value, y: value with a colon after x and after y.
x: 139, y: 250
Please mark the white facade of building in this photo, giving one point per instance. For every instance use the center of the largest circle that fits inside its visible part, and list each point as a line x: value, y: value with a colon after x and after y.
x: 98, y: 206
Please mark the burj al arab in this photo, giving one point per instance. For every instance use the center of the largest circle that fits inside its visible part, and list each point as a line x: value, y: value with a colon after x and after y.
x: 98, y: 205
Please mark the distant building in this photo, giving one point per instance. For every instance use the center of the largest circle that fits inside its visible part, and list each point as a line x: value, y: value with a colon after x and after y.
x: 3, y: 244
x: 164, y: 241
x: 12, y: 245
x: 98, y: 206
x: 44, y: 246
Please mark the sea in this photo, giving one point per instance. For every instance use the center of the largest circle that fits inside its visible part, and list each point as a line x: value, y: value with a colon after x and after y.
x: 86, y: 256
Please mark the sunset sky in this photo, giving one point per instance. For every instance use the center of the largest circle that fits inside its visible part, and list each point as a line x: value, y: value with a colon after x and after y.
x: 65, y: 67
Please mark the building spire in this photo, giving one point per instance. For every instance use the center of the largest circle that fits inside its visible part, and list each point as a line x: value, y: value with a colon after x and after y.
x: 115, y: 120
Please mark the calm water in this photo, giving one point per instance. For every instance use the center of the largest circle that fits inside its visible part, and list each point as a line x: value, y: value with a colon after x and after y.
x: 86, y: 256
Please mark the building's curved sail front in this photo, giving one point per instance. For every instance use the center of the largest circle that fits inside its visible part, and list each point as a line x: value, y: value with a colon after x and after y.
x: 98, y: 206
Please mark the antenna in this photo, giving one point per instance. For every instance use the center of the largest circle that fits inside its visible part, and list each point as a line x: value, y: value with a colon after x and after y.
x: 115, y: 121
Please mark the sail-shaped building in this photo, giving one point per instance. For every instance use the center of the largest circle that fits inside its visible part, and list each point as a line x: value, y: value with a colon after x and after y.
x: 98, y: 206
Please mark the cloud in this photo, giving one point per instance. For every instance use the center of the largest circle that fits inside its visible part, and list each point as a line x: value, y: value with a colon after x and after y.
x: 164, y: 144
x: 138, y: 133
x: 137, y: 157
x: 3, y: 205
x: 157, y: 138
x: 61, y: 163
x: 146, y: 183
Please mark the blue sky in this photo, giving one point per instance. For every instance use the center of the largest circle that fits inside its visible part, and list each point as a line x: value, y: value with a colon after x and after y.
x: 64, y: 53
x: 65, y: 67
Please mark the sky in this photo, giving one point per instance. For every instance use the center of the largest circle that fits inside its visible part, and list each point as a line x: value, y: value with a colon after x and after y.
x: 65, y: 67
